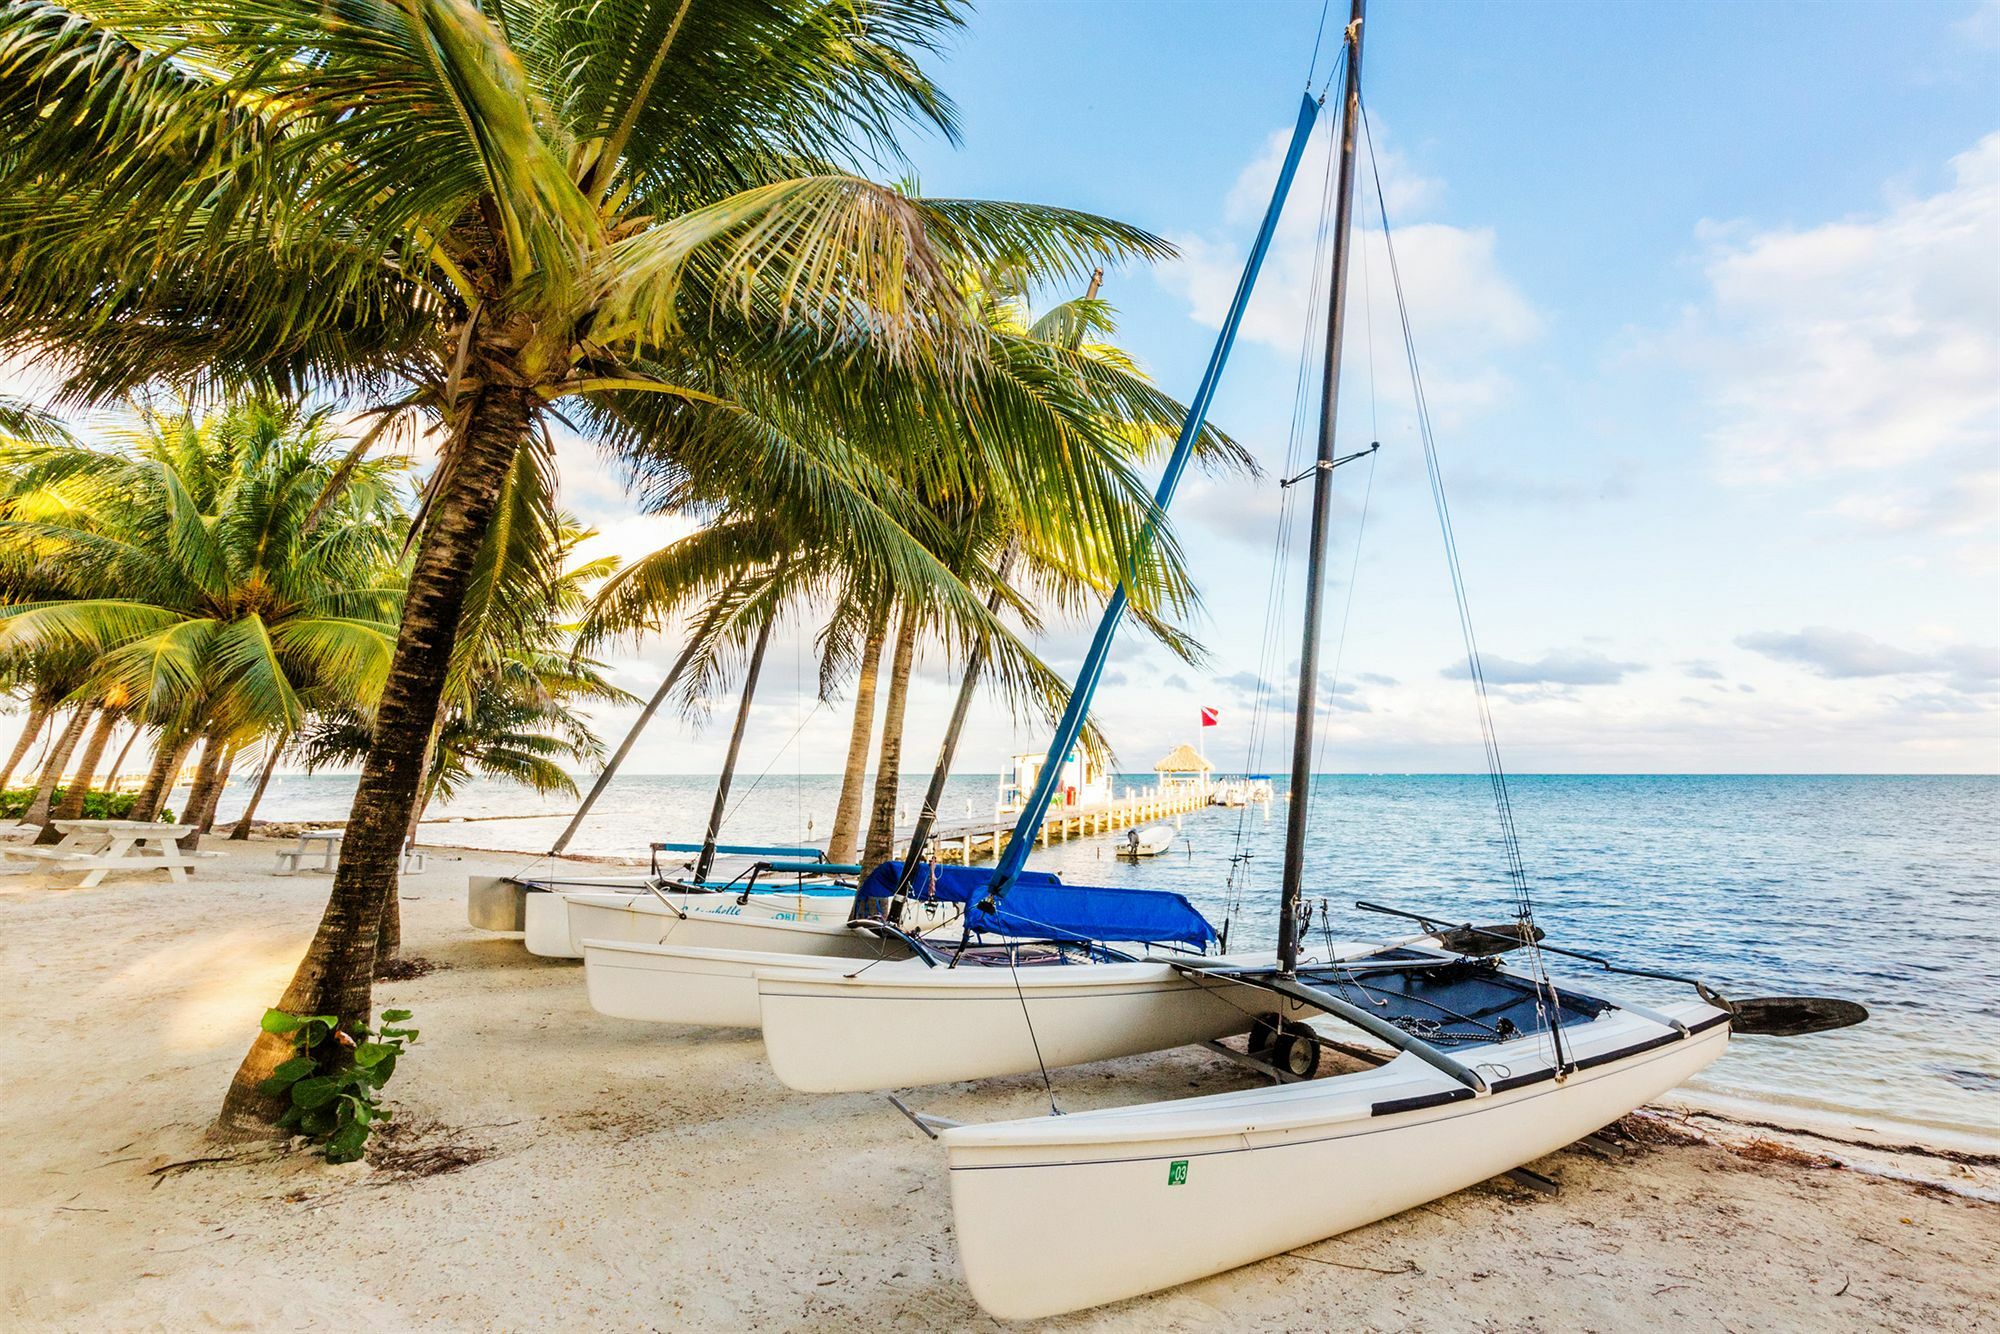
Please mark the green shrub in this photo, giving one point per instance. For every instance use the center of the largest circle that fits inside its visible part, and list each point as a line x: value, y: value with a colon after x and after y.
x: 14, y: 804
x: 332, y: 1081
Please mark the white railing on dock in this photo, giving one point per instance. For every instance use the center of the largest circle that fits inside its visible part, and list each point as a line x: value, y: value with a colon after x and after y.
x: 970, y: 841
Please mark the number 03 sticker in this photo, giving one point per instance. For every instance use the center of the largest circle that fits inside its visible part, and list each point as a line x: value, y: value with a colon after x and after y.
x: 1177, y: 1172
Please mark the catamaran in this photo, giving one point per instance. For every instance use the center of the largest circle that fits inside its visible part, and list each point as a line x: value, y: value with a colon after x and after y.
x: 1476, y: 1065
x: 748, y: 882
x: 693, y: 975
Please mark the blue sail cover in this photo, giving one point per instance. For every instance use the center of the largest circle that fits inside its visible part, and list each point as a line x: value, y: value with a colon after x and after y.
x: 941, y: 884
x: 1042, y: 907
x: 1088, y: 912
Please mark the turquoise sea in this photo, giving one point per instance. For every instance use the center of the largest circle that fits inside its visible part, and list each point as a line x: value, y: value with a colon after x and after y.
x: 1882, y: 889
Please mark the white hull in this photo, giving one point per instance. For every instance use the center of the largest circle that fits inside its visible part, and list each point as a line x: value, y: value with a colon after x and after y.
x: 551, y: 923
x: 650, y: 922
x: 900, y: 1024
x: 1153, y: 840
x: 1059, y: 1213
x: 675, y: 984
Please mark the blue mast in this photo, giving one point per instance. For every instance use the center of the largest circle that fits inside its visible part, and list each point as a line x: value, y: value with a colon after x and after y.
x: 1071, y: 725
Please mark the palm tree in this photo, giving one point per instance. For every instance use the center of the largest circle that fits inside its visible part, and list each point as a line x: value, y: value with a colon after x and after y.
x: 843, y: 842
x: 643, y: 207
x: 1070, y: 342
x: 217, y: 572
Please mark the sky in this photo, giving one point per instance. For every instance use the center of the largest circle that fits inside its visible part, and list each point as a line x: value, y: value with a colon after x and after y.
x: 1706, y: 299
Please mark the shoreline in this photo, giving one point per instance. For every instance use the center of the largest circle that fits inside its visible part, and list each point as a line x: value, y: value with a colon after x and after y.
x: 550, y: 1167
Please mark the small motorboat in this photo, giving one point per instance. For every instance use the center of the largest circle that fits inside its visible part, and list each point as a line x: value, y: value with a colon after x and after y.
x: 1148, y: 842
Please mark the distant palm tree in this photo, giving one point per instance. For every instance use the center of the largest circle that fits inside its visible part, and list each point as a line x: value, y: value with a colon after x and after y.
x: 219, y: 572
x: 644, y: 208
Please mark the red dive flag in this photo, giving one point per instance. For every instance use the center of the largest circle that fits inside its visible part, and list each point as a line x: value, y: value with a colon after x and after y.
x: 1209, y: 717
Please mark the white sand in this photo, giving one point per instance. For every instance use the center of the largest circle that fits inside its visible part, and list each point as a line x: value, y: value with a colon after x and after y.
x: 633, y: 1176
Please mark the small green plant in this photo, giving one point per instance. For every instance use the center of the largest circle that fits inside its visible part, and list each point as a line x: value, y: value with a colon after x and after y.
x: 332, y: 1080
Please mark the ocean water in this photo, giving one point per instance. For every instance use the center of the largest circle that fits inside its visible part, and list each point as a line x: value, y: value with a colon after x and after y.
x: 1885, y: 890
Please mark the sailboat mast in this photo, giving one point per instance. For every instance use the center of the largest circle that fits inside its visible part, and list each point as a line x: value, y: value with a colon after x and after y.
x: 1302, y: 718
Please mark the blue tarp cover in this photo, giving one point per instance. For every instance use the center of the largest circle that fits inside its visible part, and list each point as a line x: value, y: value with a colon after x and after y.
x: 946, y: 884
x: 1088, y: 912
x: 1041, y: 907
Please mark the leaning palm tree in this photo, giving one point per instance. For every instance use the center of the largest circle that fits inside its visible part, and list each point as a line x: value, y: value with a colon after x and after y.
x: 643, y: 207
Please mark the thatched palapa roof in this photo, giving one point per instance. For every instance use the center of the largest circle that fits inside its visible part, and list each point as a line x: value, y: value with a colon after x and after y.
x: 1183, y: 759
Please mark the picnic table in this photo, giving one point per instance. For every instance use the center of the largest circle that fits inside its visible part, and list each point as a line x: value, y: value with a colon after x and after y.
x: 99, y: 847
x: 325, y: 843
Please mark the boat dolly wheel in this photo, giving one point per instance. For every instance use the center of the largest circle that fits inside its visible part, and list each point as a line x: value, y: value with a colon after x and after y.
x: 1264, y: 1031
x: 1296, y: 1051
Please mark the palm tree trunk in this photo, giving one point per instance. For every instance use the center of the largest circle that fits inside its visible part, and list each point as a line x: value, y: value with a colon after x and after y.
x: 52, y: 772
x: 707, y: 857
x: 337, y: 975
x: 201, y: 795
x: 215, y: 791
x: 71, y: 806
x: 968, y: 687
x: 695, y: 641
x: 841, y: 845
x: 38, y: 714
x: 389, y: 932
x: 425, y: 791
x: 170, y: 754
x: 889, y: 765
x: 241, y: 833
x: 117, y: 765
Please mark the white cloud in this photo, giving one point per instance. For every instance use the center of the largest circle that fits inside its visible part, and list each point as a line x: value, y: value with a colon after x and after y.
x: 1461, y: 303
x: 1863, y: 344
x: 1562, y: 667
x: 1849, y: 654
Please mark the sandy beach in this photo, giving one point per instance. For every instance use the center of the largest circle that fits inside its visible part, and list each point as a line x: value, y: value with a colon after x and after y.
x: 554, y: 1168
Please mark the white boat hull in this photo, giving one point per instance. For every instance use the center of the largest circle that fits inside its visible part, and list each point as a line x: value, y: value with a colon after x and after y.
x: 675, y: 984
x: 901, y: 1024
x: 711, y: 929
x: 554, y: 930
x: 1057, y: 1214
x: 1152, y: 841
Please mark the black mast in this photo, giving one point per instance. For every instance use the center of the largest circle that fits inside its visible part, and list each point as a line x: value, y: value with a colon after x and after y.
x: 1302, y: 721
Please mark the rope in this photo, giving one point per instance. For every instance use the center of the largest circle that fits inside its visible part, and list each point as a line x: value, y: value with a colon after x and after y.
x: 752, y: 789
x: 1547, y: 1005
x: 1346, y: 611
x: 1319, y: 31
x: 1048, y: 1085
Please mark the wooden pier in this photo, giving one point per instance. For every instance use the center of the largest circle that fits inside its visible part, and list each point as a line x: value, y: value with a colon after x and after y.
x: 969, y: 841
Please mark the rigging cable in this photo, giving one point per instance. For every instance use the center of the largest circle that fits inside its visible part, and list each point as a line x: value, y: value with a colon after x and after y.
x: 1548, y: 1005
x: 1367, y: 496
x: 1319, y: 32
x: 1270, y: 647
